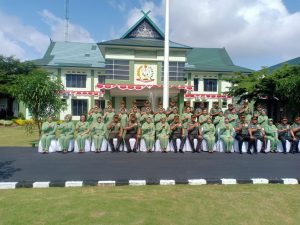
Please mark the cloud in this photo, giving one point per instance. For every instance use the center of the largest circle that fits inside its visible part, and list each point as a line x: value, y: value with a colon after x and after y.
x: 118, y: 4
x: 16, y: 37
x: 76, y: 32
x: 248, y: 29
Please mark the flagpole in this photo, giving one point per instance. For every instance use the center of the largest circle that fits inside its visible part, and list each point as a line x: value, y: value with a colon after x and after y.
x: 166, y: 60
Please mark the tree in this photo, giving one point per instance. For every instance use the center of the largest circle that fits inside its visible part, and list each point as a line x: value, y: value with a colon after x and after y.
x: 281, y: 85
x: 40, y: 94
x: 10, y: 69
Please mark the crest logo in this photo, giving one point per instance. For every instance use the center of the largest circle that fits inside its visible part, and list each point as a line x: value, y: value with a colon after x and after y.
x: 145, y: 73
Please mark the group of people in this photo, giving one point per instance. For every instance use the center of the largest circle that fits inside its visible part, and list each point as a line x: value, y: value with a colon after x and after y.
x: 167, y: 126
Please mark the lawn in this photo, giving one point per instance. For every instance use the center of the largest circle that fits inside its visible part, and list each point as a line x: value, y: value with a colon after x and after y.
x: 16, y: 136
x: 180, y: 204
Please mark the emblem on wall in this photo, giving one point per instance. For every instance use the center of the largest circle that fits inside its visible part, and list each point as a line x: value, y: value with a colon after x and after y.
x: 145, y: 73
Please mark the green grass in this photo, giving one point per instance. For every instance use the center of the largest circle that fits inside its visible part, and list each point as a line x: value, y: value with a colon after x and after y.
x: 16, y: 136
x: 180, y: 204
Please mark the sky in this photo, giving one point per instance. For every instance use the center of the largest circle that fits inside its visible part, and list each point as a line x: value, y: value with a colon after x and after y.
x: 255, y: 33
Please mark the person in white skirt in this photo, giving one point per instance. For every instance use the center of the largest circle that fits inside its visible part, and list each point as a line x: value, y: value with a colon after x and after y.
x: 48, y: 133
x: 66, y: 129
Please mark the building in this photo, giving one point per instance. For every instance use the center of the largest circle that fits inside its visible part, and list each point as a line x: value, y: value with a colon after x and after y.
x: 131, y: 69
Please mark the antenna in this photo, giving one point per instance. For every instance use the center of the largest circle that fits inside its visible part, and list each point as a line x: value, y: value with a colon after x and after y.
x: 67, y: 21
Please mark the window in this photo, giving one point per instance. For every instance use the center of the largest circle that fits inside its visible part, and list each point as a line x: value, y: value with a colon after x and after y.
x: 79, y: 106
x: 101, y: 79
x: 196, y: 84
x: 117, y: 69
x: 210, y: 85
x: 176, y: 71
x: 77, y: 81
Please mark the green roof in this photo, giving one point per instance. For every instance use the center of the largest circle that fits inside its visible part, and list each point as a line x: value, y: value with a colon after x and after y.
x: 73, y: 54
x: 143, y: 42
x: 146, y: 18
x: 292, y: 62
x: 212, y: 59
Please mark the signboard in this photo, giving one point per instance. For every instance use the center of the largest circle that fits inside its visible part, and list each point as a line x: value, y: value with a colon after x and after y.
x: 145, y: 74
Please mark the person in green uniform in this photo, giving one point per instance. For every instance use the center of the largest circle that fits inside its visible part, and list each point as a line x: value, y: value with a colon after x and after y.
x: 162, y: 132
x: 187, y: 104
x: 271, y: 132
x: 233, y: 117
x: 204, y: 117
x: 186, y: 117
x: 263, y: 119
x: 171, y: 116
x: 177, y: 131
x: 229, y: 109
x: 171, y: 107
x: 66, y: 133
x: 208, y: 132
x: 199, y: 110
x: 108, y: 115
x: 136, y: 112
x: 194, y: 132
x: 159, y: 115
x: 94, y: 113
x: 48, y: 133
x: 241, y: 130
x: 284, y: 133
x: 115, y: 130
x: 219, y: 120
x: 123, y: 116
x: 258, y: 110
x: 256, y: 132
x: 146, y: 114
x: 226, y: 135
x: 147, y: 104
x: 82, y: 129
x: 215, y: 110
x: 122, y: 107
x: 133, y: 130
x: 245, y: 110
x: 295, y: 132
x: 98, y: 132
x: 148, y: 133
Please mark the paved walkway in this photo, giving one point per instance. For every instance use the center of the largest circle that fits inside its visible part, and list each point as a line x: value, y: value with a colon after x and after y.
x: 25, y: 164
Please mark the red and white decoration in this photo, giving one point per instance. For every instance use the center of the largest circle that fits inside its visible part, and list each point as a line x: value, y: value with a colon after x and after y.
x: 133, y: 87
x: 219, y: 96
x: 82, y: 93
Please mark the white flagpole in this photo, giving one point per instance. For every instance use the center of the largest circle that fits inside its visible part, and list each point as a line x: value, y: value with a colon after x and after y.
x: 166, y: 60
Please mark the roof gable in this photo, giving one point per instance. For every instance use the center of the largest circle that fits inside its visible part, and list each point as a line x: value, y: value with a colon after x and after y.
x: 144, y: 28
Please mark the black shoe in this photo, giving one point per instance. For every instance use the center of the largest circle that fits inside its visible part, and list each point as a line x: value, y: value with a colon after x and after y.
x: 249, y: 152
x: 181, y: 151
x: 128, y: 151
x: 175, y: 151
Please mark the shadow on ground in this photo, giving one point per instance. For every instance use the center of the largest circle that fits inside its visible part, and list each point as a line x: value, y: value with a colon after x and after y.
x: 7, y: 169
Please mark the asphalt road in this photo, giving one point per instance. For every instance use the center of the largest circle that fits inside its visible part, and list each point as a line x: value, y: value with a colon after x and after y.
x: 26, y: 164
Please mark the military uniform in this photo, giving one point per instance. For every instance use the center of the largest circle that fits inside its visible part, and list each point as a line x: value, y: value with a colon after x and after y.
x: 115, y: 131
x: 98, y: 131
x: 48, y: 134
x: 209, y: 131
x: 82, y: 135
x: 177, y: 132
x: 193, y: 130
x: 148, y: 134
x: 162, y: 133
x: 203, y: 119
x: 226, y: 135
x: 272, y: 135
x: 132, y: 132
x: 284, y: 136
x: 242, y: 134
x: 297, y: 136
x: 263, y: 120
x: 66, y: 134
x: 257, y: 135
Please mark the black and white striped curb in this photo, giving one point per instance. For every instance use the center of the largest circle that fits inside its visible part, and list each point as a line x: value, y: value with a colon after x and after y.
x: 47, y: 184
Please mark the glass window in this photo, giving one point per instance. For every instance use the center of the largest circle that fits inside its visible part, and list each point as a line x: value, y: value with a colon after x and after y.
x: 196, y: 84
x: 101, y: 79
x: 79, y: 106
x: 117, y: 69
x: 176, y: 71
x: 210, y: 85
x: 74, y: 80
